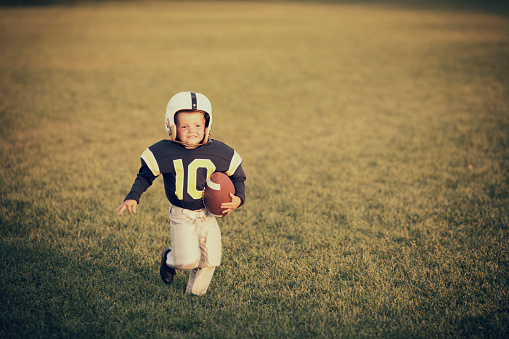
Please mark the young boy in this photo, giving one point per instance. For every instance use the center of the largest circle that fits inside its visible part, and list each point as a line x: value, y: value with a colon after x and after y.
x: 186, y: 161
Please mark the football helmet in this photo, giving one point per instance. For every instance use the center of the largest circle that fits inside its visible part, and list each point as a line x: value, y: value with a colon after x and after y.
x: 188, y: 101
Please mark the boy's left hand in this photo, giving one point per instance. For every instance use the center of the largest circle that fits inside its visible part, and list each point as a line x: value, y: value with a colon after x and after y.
x: 230, y: 206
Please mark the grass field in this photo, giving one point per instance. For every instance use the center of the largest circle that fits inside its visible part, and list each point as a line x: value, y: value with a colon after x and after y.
x: 375, y: 140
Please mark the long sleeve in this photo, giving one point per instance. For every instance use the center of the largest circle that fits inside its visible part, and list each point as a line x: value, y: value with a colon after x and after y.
x: 143, y: 181
x: 238, y: 178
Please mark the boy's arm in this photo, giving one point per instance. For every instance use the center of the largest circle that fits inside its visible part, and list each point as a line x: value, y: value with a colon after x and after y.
x: 237, y: 178
x: 143, y: 181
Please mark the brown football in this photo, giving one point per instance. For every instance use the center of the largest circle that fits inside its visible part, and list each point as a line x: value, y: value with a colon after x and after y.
x: 218, y: 189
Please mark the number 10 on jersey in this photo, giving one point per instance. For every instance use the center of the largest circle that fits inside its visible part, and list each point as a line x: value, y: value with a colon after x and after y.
x: 192, y: 173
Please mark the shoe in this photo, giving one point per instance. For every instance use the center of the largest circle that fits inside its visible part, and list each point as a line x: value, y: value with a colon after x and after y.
x: 166, y: 272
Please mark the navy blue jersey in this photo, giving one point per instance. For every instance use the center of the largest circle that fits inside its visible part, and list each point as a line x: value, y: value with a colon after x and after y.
x: 185, y: 171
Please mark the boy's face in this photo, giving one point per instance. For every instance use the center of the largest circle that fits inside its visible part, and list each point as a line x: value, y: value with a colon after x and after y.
x: 190, y: 127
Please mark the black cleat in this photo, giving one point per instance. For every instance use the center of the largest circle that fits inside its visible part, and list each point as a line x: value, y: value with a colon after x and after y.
x: 166, y: 272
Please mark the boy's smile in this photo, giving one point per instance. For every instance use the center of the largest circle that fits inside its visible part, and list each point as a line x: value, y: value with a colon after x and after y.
x: 190, y: 127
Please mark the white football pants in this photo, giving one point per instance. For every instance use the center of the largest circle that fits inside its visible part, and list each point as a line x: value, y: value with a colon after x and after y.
x: 195, y: 246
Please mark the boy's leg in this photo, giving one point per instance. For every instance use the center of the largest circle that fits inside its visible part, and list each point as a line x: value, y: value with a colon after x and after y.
x: 210, y: 244
x: 210, y: 247
x: 199, y: 280
x: 185, y: 249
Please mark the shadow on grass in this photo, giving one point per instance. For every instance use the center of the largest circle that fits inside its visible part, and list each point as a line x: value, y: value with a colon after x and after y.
x: 47, y: 293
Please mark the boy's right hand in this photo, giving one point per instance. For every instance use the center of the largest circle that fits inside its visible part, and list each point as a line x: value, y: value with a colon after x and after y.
x: 129, y: 204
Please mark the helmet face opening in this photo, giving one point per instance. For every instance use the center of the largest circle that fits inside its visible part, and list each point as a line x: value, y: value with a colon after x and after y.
x: 205, y: 115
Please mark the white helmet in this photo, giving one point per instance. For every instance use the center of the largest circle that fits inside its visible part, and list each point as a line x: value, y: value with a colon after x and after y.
x: 188, y: 101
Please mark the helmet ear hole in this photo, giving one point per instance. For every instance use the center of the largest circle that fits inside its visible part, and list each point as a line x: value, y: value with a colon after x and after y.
x: 207, y: 135
x: 173, y: 132
x: 207, y: 119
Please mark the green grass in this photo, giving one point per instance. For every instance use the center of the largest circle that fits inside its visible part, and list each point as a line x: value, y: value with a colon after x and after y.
x: 375, y: 140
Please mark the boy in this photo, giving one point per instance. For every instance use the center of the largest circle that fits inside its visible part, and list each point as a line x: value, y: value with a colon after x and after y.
x: 186, y: 161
